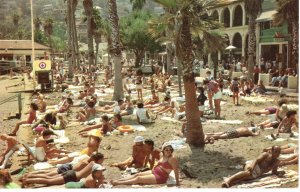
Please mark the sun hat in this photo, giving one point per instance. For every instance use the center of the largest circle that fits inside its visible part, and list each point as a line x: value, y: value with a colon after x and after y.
x: 139, y: 139
x: 95, y: 133
x: 98, y: 167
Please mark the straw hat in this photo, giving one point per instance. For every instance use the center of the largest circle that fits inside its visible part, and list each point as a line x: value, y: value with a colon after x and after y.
x: 95, y: 133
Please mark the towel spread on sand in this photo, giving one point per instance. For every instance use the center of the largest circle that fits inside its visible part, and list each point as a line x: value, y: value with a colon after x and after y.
x: 61, y: 137
x: 177, y: 143
x: 138, y: 127
x: 230, y: 122
x: 271, y: 181
x: 170, y: 119
x: 42, y: 165
x: 257, y: 99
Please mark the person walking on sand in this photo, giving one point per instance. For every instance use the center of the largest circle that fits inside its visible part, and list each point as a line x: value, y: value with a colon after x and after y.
x: 11, y: 147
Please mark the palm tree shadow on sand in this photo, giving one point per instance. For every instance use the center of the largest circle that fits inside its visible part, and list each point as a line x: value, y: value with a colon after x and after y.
x: 207, y: 166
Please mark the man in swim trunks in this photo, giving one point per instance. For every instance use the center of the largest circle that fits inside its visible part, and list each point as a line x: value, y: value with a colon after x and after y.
x: 234, y: 133
x: 266, y: 162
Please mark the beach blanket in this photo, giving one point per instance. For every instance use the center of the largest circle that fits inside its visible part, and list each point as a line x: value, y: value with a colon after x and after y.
x: 138, y: 127
x: 230, y: 122
x: 170, y: 119
x: 271, y: 181
x: 257, y: 99
x: 42, y: 165
x: 61, y: 137
x: 284, y: 137
x: 177, y: 143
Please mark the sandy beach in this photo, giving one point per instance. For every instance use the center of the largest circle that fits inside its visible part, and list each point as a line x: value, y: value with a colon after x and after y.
x: 208, y: 165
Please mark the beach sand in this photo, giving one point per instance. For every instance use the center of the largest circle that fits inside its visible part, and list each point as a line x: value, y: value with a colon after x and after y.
x: 208, y: 165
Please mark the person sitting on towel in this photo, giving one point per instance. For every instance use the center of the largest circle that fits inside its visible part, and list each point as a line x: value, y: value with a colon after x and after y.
x: 57, y: 172
x: 104, y: 127
x: 267, y: 161
x: 30, y: 119
x: 44, y: 149
x: 160, y: 173
x: 153, y: 154
x: 287, y: 124
x: 139, y: 153
x: 11, y: 147
x: 142, y: 114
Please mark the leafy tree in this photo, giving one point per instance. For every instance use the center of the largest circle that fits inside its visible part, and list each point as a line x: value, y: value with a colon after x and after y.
x: 137, y: 4
x: 135, y: 36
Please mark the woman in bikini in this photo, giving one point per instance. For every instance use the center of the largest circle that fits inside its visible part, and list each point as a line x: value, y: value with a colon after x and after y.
x: 158, y: 175
x: 287, y: 124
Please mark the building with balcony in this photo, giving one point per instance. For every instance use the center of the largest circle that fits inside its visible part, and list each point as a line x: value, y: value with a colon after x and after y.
x: 271, y: 42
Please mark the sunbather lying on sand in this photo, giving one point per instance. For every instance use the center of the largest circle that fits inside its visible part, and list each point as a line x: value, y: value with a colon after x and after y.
x: 57, y: 172
x: 11, y: 147
x: 115, y: 108
x: 94, y: 180
x: 92, y: 146
x: 153, y: 100
x: 139, y: 153
x: 234, y: 133
x: 68, y: 176
x: 160, y: 173
x: 104, y: 127
x: 266, y: 162
x: 290, y: 148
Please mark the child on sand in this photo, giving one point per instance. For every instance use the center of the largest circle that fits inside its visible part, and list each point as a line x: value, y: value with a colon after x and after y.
x: 201, y: 100
x: 30, y: 119
x: 11, y: 147
x: 142, y: 114
x: 235, y: 88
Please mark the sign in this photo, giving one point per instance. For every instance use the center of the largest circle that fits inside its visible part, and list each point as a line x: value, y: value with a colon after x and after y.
x: 42, y: 65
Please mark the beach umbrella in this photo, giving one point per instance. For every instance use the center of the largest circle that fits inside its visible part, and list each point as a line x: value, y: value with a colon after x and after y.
x: 230, y: 47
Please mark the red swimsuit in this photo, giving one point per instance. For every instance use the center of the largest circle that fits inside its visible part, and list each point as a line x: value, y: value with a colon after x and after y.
x: 160, y: 174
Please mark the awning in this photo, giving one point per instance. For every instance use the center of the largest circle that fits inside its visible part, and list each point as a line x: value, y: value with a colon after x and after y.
x: 266, y: 16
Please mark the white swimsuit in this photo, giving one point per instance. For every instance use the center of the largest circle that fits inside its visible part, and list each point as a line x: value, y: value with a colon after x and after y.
x: 40, y: 154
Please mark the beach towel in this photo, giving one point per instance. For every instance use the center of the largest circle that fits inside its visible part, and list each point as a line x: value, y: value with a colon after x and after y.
x: 257, y: 99
x: 170, y: 119
x: 177, y: 143
x: 61, y: 137
x: 138, y: 127
x: 270, y: 181
x: 269, y: 137
x: 42, y: 165
x: 230, y: 122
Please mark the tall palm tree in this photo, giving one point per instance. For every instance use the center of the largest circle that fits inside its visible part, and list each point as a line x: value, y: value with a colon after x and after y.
x: 189, y: 18
x: 288, y: 11
x: 253, y: 8
x: 48, y: 29
x: 115, y: 49
x: 88, y: 8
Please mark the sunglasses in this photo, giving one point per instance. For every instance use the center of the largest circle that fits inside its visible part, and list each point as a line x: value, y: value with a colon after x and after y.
x: 168, y: 150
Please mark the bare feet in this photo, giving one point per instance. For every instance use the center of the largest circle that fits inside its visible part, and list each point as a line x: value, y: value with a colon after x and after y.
x: 225, y: 185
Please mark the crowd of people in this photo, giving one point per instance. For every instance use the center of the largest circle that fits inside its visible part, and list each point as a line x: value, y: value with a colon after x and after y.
x: 84, y: 169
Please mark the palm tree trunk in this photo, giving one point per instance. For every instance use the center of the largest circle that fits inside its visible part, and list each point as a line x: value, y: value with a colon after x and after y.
x: 75, y: 39
x: 70, y: 38
x: 88, y: 7
x: 116, y: 50
x: 295, y: 39
x: 195, y: 134
x: 179, y: 74
x: 96, y: 55
x: 251, y: 46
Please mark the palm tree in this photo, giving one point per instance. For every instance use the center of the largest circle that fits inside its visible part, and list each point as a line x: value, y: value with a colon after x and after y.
x: 97, y: 36
x: 137, y: 4
x: 253, y: 8
x: 189, y: 18
x: 48, y: 29
x: 115, y: 49
x: 88, y: 8
x: 287, y: 11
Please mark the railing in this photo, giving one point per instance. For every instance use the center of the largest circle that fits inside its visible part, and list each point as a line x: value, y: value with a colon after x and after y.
x: 13, y: 97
